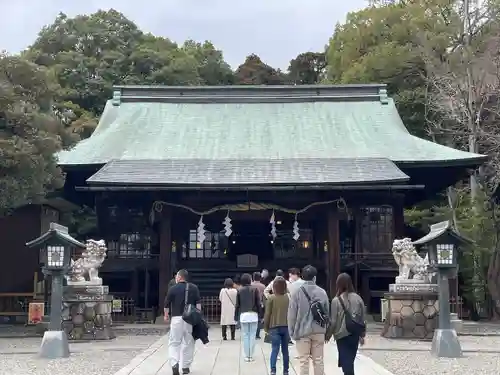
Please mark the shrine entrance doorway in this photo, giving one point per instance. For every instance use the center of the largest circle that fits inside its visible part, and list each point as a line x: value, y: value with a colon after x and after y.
x: 251, y: 237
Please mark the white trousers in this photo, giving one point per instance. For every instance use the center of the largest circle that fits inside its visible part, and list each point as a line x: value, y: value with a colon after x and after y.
x: 180, y: 343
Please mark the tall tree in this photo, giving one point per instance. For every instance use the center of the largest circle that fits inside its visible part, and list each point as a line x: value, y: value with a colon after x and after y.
x: 212, y: 68
x: 307, y: 68
x: 30, y: 134
x: 464, y: 89
x: 379, y: 44
x: 255, y: 72
x: 88, y: 54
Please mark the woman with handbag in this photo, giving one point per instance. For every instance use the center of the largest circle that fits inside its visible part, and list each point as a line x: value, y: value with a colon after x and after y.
x: 276, y: 324
x: 227, y: 298
x: 348, y: 324
x: 247, y: 312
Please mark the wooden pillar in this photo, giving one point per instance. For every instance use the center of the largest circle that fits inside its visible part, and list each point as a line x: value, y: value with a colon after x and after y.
x: 146, y: 288
x: 358, y: 248
x: 398, y: 217
x: 165, y: 273
x: 135, y: 286
x: 333, y: 254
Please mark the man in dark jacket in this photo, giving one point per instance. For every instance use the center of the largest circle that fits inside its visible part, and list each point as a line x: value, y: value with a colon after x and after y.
x: 181, y: 339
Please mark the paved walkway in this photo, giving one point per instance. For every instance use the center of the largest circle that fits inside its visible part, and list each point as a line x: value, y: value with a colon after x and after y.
x: 225, y: 358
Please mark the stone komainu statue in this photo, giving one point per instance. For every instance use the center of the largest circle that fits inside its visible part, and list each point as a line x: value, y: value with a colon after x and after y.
x: 412, y: 267
x: 88, y: 264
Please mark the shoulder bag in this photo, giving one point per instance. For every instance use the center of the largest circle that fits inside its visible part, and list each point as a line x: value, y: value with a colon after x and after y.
x: 189, y: 312
x: 353, y: 326
x: 230, y: 299
x: 320, y: 316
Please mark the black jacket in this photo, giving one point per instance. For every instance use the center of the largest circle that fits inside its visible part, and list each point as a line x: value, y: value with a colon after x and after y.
x: 200, y: 331
x: 247, y: 299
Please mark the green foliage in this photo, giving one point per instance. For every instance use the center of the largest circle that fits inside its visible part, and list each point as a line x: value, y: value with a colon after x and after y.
x: 30, y: 134
x: 255, y: 72
x: 383, y: 44
x: 307, y: 68
x: 88, y: 54
x: 81, y: 222
x: 473, y: 220
x: 476, y: 222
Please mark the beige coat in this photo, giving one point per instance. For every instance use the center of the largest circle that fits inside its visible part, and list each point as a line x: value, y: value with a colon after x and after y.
x: 227, y: 298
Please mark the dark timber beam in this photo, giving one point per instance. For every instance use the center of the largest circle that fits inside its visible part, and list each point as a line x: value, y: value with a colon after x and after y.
x: 251, y: 188
x: 333, y: 253
x: 165, y: 273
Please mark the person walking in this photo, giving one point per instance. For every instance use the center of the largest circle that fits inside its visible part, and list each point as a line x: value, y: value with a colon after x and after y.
x: 308, y: 319
x: 227, y: 298
x: 181, y: 341
x: 264, y: 276
x: 237, y: 285
x: 172, y: 282
x: 276, y: 324
x: 247, y: 312
x: 348, y: 304
x: 269, y: 288
x: 256, y: 283
x: 295, y: 280
x: 236, y: 280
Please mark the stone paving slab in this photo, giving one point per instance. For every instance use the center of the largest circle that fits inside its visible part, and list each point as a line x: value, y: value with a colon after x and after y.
x: 225, y: 357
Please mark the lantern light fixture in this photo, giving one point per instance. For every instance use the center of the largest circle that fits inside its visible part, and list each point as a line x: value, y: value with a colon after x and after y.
x: 445, y: 254
x: 55, y: 255
x: 441, y: 243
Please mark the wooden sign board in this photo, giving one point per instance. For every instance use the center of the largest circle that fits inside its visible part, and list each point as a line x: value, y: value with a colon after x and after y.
x: 36, y: 311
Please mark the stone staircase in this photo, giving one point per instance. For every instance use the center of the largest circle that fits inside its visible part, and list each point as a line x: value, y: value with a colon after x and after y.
x: 210, y: 281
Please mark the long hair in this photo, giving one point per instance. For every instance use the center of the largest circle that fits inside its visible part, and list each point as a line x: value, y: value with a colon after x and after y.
x: 344, y: 284
x: 279, y: 286
x: 246, y: 279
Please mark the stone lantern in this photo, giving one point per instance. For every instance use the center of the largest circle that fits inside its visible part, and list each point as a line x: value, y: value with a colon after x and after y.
x: 442, y: 243
x: 55, y: 255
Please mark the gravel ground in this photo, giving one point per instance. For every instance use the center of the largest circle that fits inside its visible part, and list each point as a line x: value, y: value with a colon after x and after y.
x: 402, y: 357
x: 422, y: 363
x: 18, y: 356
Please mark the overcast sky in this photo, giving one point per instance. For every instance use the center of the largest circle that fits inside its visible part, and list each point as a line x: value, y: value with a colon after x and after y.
x: 276, y: 30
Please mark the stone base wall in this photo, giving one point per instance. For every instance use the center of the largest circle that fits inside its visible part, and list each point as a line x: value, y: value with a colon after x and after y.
x: 87, y: 320
x: 87, y: 312
x: 411, y: 315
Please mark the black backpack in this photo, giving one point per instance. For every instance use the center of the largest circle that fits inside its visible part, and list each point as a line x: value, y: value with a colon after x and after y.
x: 353, y: 325
x: 320, y: 316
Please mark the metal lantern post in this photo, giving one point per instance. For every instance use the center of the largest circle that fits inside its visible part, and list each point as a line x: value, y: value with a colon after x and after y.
x: 442, y: 243
x: 55, y: 255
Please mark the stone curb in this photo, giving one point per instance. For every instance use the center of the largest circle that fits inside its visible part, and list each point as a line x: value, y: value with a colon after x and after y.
x: 140, y: 358
x: 375, y: 368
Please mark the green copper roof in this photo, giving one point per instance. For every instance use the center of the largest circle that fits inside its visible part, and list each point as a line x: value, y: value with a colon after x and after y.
x: 247, y: 172
x: 264, y: 122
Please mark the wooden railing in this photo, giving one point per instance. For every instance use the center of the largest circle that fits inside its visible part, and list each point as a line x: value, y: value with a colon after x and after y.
x: 131, y: 255
x: 130, y: 313
x: 211, y: 309
x: 14, y: 307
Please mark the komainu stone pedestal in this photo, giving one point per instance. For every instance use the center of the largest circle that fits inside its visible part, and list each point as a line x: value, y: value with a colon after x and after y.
x: 87, y: 312
x: 412, y: 311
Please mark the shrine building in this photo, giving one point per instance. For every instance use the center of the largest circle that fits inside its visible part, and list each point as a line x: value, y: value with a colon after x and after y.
x: 233, y: 179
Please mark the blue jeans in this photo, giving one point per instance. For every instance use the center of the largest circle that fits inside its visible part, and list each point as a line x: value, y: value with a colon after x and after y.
x: 248, y: 331
x: 279, y: 339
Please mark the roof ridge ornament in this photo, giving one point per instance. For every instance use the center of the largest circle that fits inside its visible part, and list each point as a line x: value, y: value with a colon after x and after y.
x: 248, y: 93
x: 117, y: 97
x: 384, y: 99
